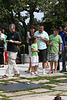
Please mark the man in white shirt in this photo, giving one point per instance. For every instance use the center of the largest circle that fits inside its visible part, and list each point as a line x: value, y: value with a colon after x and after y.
x: 43, y: 38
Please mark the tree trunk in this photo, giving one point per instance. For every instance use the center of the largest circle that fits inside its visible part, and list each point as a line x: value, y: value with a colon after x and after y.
x: 31, y: 17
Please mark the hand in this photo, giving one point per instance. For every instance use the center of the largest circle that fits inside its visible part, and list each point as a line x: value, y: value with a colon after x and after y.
x: 29, y: 37
x: 38, y: 36
x: 38, y: 51
x: 7, y: 41
x: 11, y: 41
x: 60, y: 52
x: 51, y: 44
x: 41, y: 37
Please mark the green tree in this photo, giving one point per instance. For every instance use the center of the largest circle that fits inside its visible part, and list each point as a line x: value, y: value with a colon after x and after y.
x: 57, y: 14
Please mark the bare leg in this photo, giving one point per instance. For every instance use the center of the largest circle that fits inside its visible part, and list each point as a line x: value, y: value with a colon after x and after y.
x: 47, y: 65
x: 56, y: 63
x: 32, y: 68
x: 44, y: 65
x: 29, y: 65
x: 36, y: 68
x: 51, y: 66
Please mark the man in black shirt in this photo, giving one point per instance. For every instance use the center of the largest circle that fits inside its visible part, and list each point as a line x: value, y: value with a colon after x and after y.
x: 13, y: 39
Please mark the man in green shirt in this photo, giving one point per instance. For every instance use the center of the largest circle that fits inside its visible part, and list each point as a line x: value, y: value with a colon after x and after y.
x: 53, y: 49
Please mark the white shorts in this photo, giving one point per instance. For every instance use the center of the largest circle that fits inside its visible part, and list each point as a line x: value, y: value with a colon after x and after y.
x: 34, y: 60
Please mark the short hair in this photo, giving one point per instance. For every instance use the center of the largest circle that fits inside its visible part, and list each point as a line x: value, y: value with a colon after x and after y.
x: 32, y: 27
x: 59, y: 27
x: 41, y: 24
x: 12, y: 25
x: 56, y: 29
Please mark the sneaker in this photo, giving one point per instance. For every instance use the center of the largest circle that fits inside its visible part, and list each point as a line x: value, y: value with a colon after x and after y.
x: 16, y: 75
x: 36, y: 73
x: 32, y: 73
x: 5, y: 76
x: 63, y: 70
x: 43, y: 72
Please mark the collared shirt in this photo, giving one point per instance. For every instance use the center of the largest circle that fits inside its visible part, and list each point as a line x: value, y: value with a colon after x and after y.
x: 55, y: 40
x: 41, y: 44
x: 15, y: 37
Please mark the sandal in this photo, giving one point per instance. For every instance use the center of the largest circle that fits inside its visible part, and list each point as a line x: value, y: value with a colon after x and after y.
x: 50, y: 72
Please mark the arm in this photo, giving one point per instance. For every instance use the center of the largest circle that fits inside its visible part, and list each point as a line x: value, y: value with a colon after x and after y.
x: 60, y: 48
x: 46, y: 40
x: 49, y: 43
x: 17, y: 42
x: 65, y: 32
x: 34, y: 50
x: 28, y: 39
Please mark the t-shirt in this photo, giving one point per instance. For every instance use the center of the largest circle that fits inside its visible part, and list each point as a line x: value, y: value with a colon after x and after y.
x: 55, y: 40
x: 63, y: 39
x: 15, y: 37
x: 34, y: 46
x: 2, y: 36
x: 41, y: 44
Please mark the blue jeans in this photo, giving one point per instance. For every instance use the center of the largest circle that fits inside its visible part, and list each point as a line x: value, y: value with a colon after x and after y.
x: 63, y: 60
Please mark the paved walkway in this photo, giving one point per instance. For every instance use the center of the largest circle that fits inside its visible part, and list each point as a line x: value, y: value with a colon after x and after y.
x: 53, y: 82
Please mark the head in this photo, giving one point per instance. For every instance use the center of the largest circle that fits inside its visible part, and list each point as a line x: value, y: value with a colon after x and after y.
x: 56, y: 32
x: 12, y: 28
x: 57, y: 98
x: 41, y: 28
x: 34, y: 39
x: 60, y: 29
x: 3, y: 31
x: 32, y: 29
x: 65, y: 27
x: 0, y: 31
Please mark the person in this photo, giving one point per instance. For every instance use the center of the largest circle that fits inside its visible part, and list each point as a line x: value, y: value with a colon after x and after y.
x: 55, y: 42
x: 1, y: 49
x: 62, y: 55
x: 34, y: 56
x: 13, y: 39
x: 2, y: 53
x: 5, y: 45
x: 1, y: 34
x: 57, y: 98
x: 29, y: 41
x: 43, y: 38
x: 65, y: 29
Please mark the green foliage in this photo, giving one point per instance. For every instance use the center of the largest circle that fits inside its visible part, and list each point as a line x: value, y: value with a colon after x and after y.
x: 55, y: 14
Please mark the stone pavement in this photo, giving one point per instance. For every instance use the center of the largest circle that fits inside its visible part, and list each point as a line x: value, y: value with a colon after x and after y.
x: 53, y: 82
